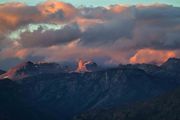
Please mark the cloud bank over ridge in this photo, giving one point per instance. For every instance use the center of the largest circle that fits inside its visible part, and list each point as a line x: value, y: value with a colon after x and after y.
x: 111, y: 34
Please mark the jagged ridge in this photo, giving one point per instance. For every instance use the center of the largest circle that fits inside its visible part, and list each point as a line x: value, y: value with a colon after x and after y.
x: 62, y: 95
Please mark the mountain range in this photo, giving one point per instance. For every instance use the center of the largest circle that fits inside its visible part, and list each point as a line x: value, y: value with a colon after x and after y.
x: 50, y: 91
x: 27, y: 69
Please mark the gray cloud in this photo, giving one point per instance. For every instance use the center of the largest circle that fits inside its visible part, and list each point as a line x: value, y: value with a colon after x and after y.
x: 119, y: 30
x: 15, y: 15
x: 134, y: 27
x: 96, y: 13
x: 40, y: 38
x: 155, y: 27
x: 108, y: 32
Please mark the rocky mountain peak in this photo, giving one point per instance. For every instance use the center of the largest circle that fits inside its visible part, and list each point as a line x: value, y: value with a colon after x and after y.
x: 29, y: 68
x: 172, y: 64
x: 86, y: 66
x: 172, y: 61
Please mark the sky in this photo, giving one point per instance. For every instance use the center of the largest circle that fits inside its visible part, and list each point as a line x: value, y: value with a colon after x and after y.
x: 108, y: 32
x: 100, y: 2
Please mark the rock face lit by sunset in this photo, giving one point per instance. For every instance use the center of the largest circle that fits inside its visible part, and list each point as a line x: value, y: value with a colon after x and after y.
x: 57, y: 31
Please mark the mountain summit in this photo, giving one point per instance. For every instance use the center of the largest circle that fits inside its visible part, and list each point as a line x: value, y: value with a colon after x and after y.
x: 172, y: 62
x: 172, y: 65
x: 29, y: 68
x: 86, y: 66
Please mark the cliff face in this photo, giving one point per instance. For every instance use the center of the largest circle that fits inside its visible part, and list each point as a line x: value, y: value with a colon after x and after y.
x: 86, y: 66
x: 81, y: 66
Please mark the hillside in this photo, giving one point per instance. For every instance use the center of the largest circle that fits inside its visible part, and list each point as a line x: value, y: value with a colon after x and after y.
x: 166, y: 107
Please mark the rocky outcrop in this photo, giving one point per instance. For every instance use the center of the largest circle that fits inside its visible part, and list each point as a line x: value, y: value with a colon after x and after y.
x: 86, y: 66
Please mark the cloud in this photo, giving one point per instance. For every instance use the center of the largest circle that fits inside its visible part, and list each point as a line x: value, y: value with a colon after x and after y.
x: 114, y: 34
x: 108, y: 32
x: 155, y: 27
x: 57, y: 9
x: 40, y: 38
x: 73, y: 51
x: 15, y: 15
x: 152, y: 56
